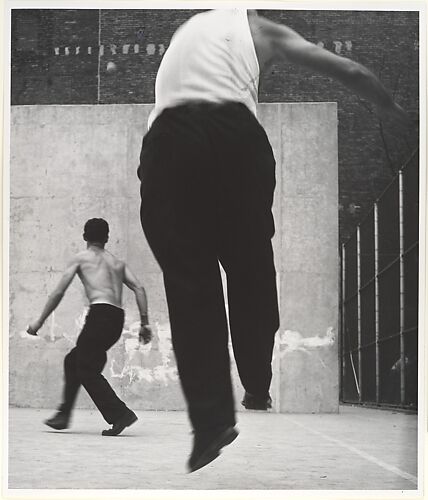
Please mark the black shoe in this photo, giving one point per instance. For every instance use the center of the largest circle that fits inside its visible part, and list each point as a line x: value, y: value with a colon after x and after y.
x: 251, y: 402
x: 59, y: 421
x: 207, y: 446
x: 125, y: 421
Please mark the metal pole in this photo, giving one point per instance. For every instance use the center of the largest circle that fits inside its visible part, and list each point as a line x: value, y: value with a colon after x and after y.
x: 99, y: 58
x: 376, y: 270
x: 343, y: 297
x: 359, y: 313
x: 401, y: 291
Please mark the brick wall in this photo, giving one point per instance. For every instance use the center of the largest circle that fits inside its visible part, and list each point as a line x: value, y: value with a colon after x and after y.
x: 60, y: 57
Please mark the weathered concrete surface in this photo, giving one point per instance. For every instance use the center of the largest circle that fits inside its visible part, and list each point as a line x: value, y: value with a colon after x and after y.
x: 71, y: 163
x: 308, y: 257
x: 272, y: 452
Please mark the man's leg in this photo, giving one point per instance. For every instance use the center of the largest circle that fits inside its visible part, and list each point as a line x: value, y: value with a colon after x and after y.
x: 196, y: 309
x: 253, y: 316
x: 200, y: 341
x: 199, y: 336
x: 90, y: 366
x: 61, y: 419
x: 101, y: 331
x: 72, y: 382
x: 245, y: 250
x: 177, y: 214
x: 113, y: 409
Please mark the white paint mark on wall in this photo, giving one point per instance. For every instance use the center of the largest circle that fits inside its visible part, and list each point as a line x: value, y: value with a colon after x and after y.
x: 348, y: 45
x: 294, y: 341
x: 165, y: 374
x: 337, y: 46
x: 151, y: 49
x: 52, y: 327
x: 138, y: 357
x: 78, y: 322
x: 165, y: 344
x: 134, y: 372
x: 81, y: 319
x: 24, y: 335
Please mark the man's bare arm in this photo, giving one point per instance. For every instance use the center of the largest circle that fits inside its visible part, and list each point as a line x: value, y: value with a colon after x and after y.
x: 55, y: 297
x: 285, y: 44
x: 141, y: 298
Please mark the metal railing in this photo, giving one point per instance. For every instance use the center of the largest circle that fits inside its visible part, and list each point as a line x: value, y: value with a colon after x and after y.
x: 379, y: 298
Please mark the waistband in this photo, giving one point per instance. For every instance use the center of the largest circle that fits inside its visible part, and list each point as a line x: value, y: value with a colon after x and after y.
x: 191, y: 106
x: 233, y: 111
x: 106, y: 306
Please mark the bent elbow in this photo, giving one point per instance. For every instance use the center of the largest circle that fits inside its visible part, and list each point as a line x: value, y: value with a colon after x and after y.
x: 139, y: 289
x: 360, y: 78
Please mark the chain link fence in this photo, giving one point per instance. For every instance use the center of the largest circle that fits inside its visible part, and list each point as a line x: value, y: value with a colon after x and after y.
x: 379, y: 298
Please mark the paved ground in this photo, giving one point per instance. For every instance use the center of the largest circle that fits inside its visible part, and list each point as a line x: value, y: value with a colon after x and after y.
x: 358, y: 449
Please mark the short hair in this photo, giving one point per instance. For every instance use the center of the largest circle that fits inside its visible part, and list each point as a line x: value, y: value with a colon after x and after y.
x: 96, y: 230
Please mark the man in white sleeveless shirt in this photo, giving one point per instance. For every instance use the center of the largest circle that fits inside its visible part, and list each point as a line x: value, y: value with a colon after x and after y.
x: 207, y: 176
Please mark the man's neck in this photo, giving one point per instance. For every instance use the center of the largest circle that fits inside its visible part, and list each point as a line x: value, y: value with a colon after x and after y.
x: 95, y: 245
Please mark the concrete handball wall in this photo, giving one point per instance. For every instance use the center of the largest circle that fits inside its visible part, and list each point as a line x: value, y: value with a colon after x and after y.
x: 71, y: 163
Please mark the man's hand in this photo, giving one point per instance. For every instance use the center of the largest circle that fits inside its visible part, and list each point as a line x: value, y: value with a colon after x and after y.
x: 145, y: 334
x: 34, y: 327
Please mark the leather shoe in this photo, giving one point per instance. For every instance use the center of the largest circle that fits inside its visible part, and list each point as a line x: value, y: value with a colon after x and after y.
x: 59, y: 421
x: 251, y: 402
x: 125, y: 421
x: 207, y: 446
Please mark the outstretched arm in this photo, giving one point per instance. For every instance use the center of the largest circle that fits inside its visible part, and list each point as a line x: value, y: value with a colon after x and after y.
x: 131, y: 282
x: 280, y: 42
x: 55, y: 297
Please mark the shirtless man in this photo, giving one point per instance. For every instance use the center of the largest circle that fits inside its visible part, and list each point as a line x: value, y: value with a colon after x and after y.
x: 102, y: 276
x: 207, y: 176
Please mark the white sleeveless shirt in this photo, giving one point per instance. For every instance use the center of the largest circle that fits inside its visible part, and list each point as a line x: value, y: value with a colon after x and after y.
x: 211, y: 58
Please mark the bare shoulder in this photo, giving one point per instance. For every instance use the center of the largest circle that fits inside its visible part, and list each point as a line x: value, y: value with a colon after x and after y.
x: 273, y: 32
x: 77, y: 261
x: 282, y: 43
x: 73, y: 265
x: 263, y: 26
x: 83, y: 256
x: 266, y: 36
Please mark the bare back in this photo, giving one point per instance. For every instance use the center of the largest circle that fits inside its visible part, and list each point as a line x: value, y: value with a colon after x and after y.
x: 101, y: 274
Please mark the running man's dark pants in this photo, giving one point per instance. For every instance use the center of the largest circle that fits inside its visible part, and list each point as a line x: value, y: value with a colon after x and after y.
x: 83, y: 364
x: 207, y: 179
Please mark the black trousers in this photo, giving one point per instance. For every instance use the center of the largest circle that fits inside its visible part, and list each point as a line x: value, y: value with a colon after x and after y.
x: 83, y: 364
x: 207, y: 179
